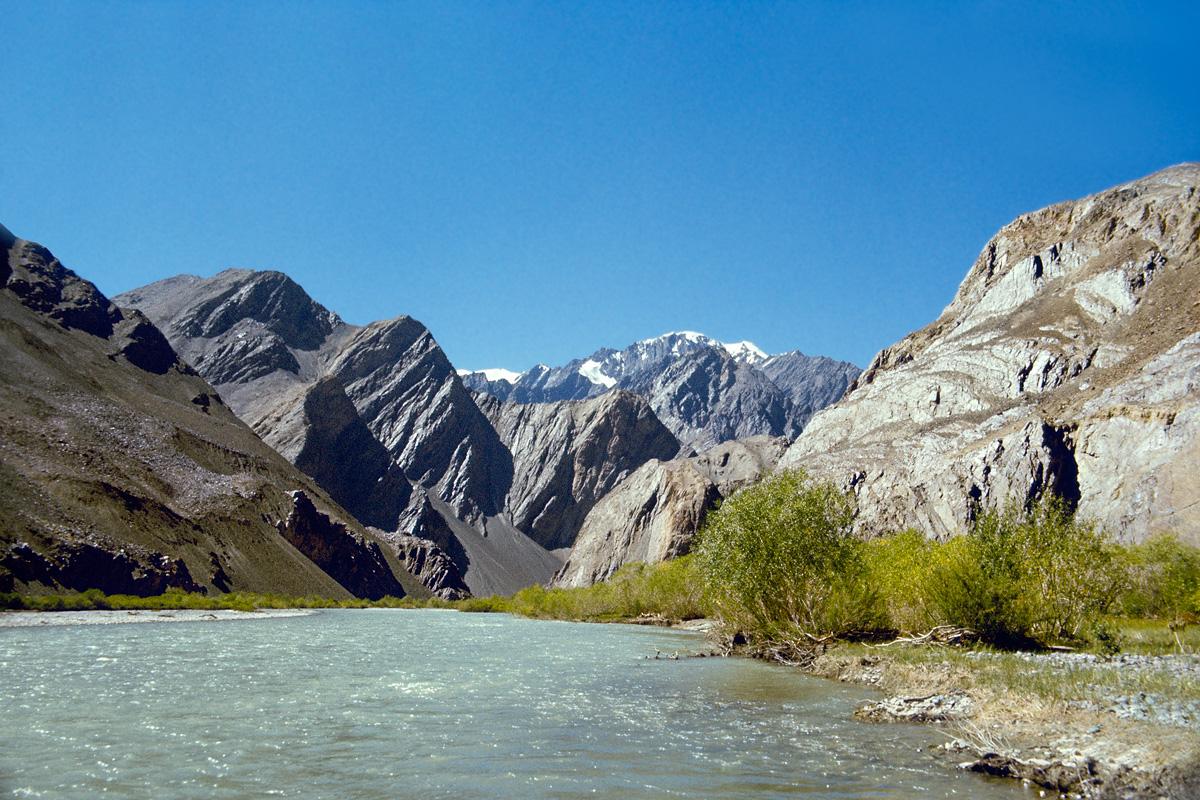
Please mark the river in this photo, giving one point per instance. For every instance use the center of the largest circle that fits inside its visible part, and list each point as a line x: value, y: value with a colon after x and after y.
x: 435, y: 704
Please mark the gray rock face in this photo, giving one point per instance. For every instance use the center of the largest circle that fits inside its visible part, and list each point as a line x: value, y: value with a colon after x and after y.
x: 122, y: 469
x: 568, y: 455
x: 351, y: 559
x: 374, y: 413
x: 703, y: 390
x: 432, y: 565
x: 655, y: 513
x: 1067, y: 362
x: 810, y: 382
x: 377, y: 415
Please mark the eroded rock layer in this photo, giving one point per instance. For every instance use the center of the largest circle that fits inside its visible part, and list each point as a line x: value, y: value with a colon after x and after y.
x: 1068, y: 361
x: 655, y: 513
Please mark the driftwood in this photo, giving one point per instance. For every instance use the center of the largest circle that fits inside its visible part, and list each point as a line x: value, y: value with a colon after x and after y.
x: 940, y: 634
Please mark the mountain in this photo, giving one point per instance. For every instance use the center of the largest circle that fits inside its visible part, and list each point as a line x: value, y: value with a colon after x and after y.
x: 377, y: 416
x: 567, y: 455
x: 124, y: 470
x: 810, y: 382
x: 1067, y: 362
x: 654, y: 514
x: 705, y: 391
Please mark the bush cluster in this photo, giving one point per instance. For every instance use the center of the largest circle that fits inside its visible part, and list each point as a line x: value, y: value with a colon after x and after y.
x: 780, y: 563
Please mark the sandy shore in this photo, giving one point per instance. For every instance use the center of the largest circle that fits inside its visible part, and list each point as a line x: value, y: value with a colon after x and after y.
x: 30, y: 619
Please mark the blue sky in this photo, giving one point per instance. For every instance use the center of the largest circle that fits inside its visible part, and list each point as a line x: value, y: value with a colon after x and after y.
x: 534, y: 181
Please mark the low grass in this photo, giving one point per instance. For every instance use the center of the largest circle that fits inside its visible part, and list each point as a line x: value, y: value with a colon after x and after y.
x: 671, y: 590
x: 1052, y: 681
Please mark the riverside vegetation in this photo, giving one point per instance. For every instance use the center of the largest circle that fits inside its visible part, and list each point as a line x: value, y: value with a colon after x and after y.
x: 778, y: 564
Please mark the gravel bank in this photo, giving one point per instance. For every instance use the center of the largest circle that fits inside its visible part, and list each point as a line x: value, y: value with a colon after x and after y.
x: 29, y: 619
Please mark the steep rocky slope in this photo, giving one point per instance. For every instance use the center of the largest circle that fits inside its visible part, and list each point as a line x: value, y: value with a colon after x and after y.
x: 810, y: 382
x: 1068, y: 361
x: 705, y: 391
x: 654, y: 514
x: 123, y: 469
x: 568, y: 455
x: 375, y: 413
x: 379, y: 418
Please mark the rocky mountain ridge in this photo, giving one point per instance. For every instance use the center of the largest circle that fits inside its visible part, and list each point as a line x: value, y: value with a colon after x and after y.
x: 704, y: 390
x: 380, y: 419
x: 1067, y: 362
x: 123, y: 469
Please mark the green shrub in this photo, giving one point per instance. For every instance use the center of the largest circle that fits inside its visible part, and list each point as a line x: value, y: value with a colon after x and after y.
x: 1026, y: 575
x: 671, y: 589
x: 1164, y: 579
x: 779, y: 562
x: 899, y: 571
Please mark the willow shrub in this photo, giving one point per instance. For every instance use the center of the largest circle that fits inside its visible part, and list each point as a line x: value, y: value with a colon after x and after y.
x: 1026, y: 575
x: 1164, y: 579
x: 900, y: 573
x: 779, y: 562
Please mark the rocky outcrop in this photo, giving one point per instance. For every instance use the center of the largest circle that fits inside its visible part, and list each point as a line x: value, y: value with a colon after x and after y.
x: 705, y: 391
x: 429, y: 563
x: 99, y: 564
x: 351, y: 559
x: 655, y: 513
x: 375, y: 414
x: 1065, y: 363
x: 810, y: 382
x: 568, y: 455
x: 122, y: 469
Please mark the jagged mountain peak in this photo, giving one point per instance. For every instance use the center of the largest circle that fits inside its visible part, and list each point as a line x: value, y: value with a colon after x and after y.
x: 206, y: 308
x: 703, y: 389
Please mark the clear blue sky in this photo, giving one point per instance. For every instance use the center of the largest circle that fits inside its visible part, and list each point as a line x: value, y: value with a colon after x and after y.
x: 534, y: 181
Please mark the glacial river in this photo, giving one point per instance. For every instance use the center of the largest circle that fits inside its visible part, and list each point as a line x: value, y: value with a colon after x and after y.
x: 387, y: 704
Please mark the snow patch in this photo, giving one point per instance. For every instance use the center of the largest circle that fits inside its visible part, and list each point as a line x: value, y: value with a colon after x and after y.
x: 690, y: 336
x: 747, y: 352
x: 592, y: 371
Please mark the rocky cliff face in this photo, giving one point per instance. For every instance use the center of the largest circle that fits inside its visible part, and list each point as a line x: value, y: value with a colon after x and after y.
x: 122, y: 469
x: 375, y: 414
x: 1067, y: 362
x: 705, y: 391
x: 379, y: 418
x: 810, y: 382
x: 655, y: 513
x: 568, y: 455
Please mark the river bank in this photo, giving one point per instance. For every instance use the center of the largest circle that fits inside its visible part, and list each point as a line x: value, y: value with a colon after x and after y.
x: 1072, y: 724
x: 32, y: 619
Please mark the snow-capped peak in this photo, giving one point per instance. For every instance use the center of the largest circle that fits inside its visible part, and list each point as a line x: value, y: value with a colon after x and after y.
x: 506, y: 375
x: 689, y: 336
x: 591, y: 370
x: 746, y: 352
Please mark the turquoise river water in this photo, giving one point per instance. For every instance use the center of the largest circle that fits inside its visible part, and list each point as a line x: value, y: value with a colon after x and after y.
x: 434, y: 704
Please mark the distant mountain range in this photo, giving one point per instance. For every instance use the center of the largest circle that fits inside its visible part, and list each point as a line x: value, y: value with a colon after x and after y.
x: 704, y: 390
